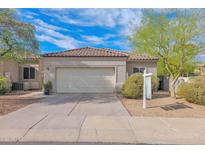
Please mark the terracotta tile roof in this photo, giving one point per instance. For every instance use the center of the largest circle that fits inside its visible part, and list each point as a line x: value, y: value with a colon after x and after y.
x: 88, y: 52
x: 98, y: 52
x: 133, y: 57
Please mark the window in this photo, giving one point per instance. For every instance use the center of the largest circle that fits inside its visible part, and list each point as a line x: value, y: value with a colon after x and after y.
x: 138, y: 70
x: 26, y: 73
x: 29, y: 73
x: 32, y: 73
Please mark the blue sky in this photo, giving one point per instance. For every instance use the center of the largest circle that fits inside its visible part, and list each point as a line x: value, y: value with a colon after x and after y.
x: 62, y: 29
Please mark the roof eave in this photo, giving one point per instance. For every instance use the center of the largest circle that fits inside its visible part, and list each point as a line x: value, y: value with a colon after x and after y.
x: 86, y: 56
x: 134, y: 60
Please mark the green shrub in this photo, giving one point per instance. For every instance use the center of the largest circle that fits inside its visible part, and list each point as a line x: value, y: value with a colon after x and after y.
x: 155, y: 83
x: 4, y: 85
x: 48, y: 86
x: 193, y: 91
x: 133, y: 86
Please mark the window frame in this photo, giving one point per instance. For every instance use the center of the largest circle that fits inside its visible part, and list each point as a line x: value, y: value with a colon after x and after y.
x: 140, y: 69
x: 29, y: 69
x: 25, y: 73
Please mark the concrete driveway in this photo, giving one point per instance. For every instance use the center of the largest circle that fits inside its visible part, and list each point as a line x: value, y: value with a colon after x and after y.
x: 94, y: 118
x: 57, y: 118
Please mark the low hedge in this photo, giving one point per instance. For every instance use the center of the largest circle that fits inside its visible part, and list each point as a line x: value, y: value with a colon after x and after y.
x: 193, y: 91
x: 4, y: 85
x: 133, y: 86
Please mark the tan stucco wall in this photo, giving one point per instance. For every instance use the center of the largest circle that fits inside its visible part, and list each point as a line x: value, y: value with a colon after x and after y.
x: 1, y: 68
x: 51, y: 63
x: 34, y: 83
x: 41, y: 75
x: 16, y: 71
x: 12, y: 67
x: 151, y: 66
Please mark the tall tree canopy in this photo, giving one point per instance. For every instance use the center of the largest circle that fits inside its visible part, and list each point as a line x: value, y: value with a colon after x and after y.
x: 176, y: 37
x: 17, y: 39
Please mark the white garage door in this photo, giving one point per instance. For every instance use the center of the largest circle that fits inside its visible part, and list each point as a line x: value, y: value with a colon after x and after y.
x: 85, y: 80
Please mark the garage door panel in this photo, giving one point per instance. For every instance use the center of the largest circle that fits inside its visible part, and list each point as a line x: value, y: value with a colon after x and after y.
x: 74, y: 82
x: 85, y: 80
x: 87, y: 71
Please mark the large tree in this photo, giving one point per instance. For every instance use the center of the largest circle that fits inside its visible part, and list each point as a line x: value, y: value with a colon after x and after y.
x: 176, y: 37
x: 17, y: 38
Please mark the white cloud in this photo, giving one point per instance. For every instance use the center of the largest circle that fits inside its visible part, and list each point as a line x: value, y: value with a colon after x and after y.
x: 49, y: 33
x: 65, y: 43
x: 99, y: 17
x: 104, y: 40
x: 109, y: 18
x: 31, y: 13
x: 94, y: 39
x: 201, y: 57
x: 123, y: 43
x: 41, y: 23
x: 27, y: 14
x: 118, y: 21
x: 57, y: 38
x: 109, y: 36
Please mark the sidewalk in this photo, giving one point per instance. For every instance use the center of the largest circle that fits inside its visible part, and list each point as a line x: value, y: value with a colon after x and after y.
x: 104, y: 129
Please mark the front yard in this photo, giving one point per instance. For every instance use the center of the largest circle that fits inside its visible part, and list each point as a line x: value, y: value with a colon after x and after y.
x: 163, y: 106
x: 16, y: 100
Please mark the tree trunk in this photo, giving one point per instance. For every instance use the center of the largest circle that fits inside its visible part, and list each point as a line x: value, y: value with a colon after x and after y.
x: 3, y: 54
x: 172, y: 90
x: 172, y: 85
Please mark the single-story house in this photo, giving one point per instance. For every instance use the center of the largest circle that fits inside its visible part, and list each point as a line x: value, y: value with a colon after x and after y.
x: 24, y: 75
x: 93, y: 70
x: 200, y: 69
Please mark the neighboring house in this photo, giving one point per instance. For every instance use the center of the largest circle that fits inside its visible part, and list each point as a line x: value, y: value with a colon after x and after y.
x: 200, y: 69
x: 25, y: 75
x: 163, y: 83
x: 93, y: 70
